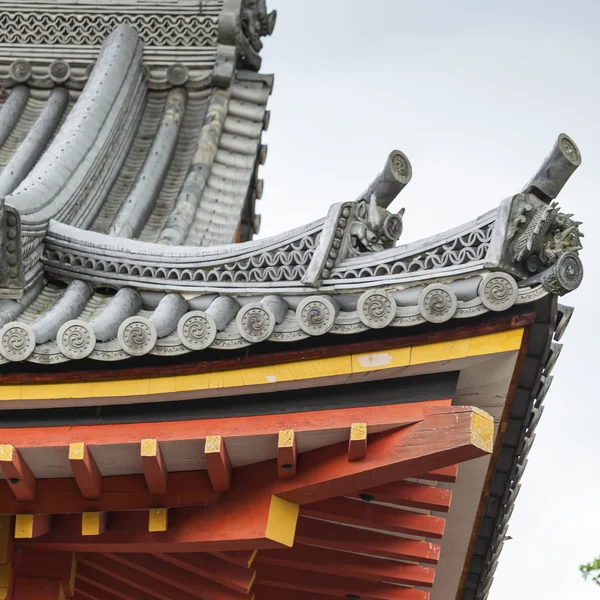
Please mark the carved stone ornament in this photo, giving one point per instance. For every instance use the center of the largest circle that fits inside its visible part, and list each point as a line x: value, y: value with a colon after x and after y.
x: 255, y: 323
x: 564, y: 276
x: 316, y: 315
x: 540, y: 234
x: 137, y: 336
x: 196, y: 330
x: 376, y: 308
x: 76, y: 339
x: 437, y: 303
x: 255, y: 23
x: 374, y: 228
x: 17, y: 341
x: 498, y: 291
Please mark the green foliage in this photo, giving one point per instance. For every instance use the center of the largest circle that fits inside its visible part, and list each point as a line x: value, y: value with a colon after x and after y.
x: 591, y: 571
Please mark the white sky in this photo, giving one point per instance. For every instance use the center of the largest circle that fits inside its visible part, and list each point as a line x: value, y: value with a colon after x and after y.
x: 475, y: 93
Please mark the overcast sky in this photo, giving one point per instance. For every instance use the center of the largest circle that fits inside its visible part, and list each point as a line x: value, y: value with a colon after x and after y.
x: 475, y: 94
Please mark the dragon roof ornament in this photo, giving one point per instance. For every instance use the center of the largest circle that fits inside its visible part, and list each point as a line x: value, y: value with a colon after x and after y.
x: 341, y: 274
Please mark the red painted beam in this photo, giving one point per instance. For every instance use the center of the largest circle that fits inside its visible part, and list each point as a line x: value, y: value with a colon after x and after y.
x: 125, y: 492
x: 407, y: 493
x: 38, y: 588
x: 243, y: 558
x: 375, y: 516
x: 17, y: 473
x: 445, y: 475
x: 334, y: 562
x: 340, y: 587
x: 86, y: 471
x: 192, y: 529
x: 182, y: 579
x: 123, y: 574
x: 101, y: 586
x: 232, y: 576
x: 49, y: 565
x: 341, y: 537
x: 218, y: 463
x: 230, y: 427
x: 287, y: 454
x: 153, y: 465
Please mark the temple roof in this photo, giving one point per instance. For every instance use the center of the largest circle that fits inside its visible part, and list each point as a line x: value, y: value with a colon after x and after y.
x: 129, y: 171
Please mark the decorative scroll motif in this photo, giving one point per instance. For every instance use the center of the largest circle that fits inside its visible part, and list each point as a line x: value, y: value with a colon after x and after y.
x: 287, y: 263
x: 255, y: 23
x: 316, y: 315
x: 540, y: 234
x: 76, y: 339
x: 374, y: 228
x: 437, y: 303
x: 498, y: 291
x: 137, y: 336
x: 11, y: 253
x: 22, y: 28
x: 17, y: 341
x: 469, y: 247
x: 376, y: 308
x: 196, y: 330
x: 255, y: 322
x: 565, y: 275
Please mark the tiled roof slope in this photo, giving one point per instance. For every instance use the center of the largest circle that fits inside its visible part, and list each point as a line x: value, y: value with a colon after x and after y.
x: 130, y: 169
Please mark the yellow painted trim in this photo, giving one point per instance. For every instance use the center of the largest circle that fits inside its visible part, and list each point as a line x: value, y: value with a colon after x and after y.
x: 358, y: 432
x: 92, y: 523
x: 6, y: 453
x: 158, y: 519
x: 282, y: 520
x: 212, y: 444
x: 252, y: 580
x: 76, y: 451
x: 23, y: 527
x: 149, y: 447
x: 252, y: 557
x: 504, y: 341
x: 286, y: 438
x: 482, y: 430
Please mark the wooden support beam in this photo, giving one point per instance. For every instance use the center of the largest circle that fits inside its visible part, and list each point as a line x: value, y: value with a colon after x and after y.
x: 232, y: 576
x: 86, y: 471
x: 287, y: 454
x: 445, y: 475
x: 182, y: 579
x: 257, y: 522
x: 218, y: 463
x: 155, y: 470
x: 32, y: 526
x: 93, y: 523
x: 17, y: 473
x: 339, y: 587
x: 407, y: 493
x: 445, y: 437
x: 264, y: 592
x: 375, y: 516
x: 357, y: 446
x: 243, y: 558
x: 334, y: 562
x: 340, y: 537
x: 28, y: 588
x: 97, y: 585
x: 229, y: 427
x: 123, y: 492
x: 158, y: 519
x: 49, y: 565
